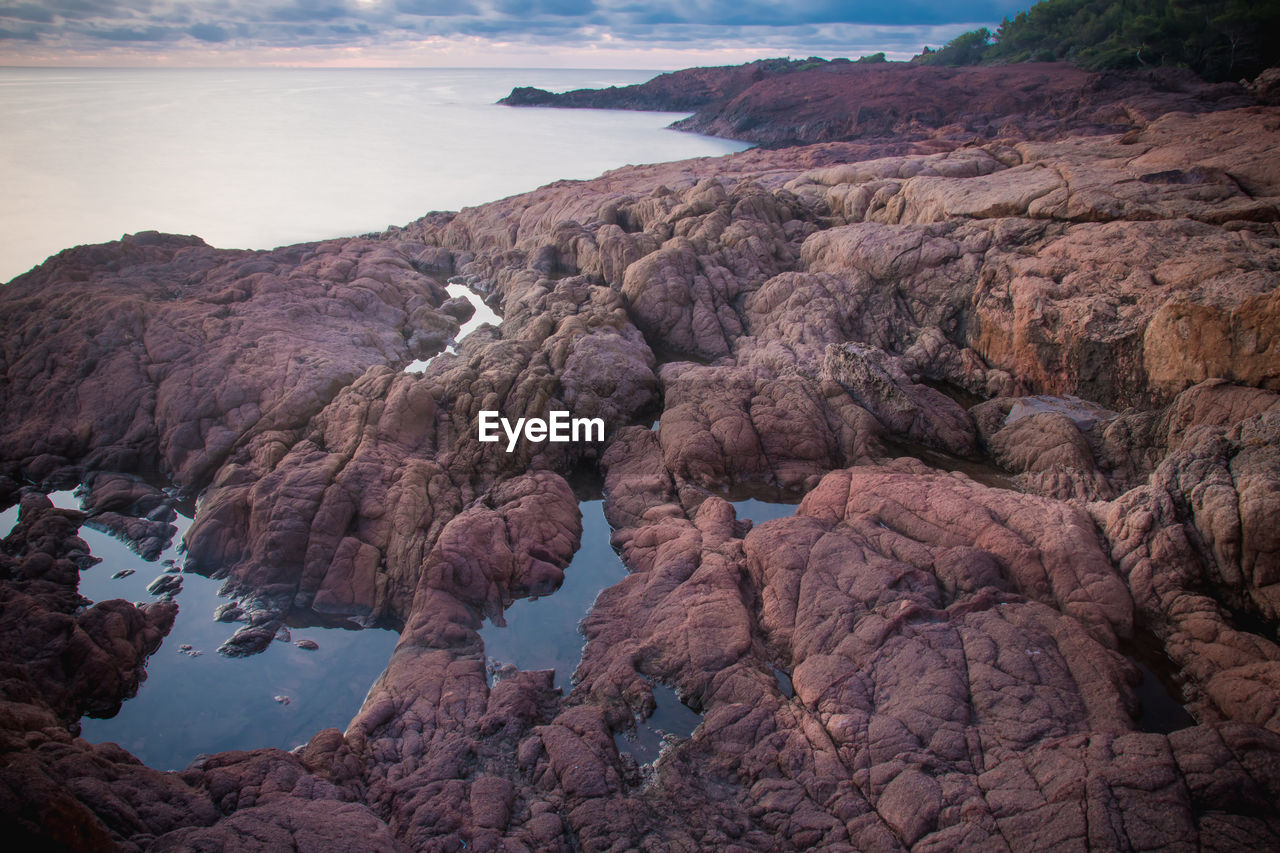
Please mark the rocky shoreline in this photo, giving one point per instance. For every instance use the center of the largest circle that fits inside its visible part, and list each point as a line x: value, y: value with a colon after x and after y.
x: 779, y: 103
x: 1078, y: 306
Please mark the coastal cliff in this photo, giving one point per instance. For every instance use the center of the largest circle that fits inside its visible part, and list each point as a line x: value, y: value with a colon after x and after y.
x: 779, y: 103
x: 1021, y: 368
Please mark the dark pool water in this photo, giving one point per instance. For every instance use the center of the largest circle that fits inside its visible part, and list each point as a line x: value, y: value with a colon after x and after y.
x: 542, y: 633
x: 982, y: 471
x: 1159, y: 693
x: 670, y: 717
x: 192, y: 704
x: 760, y: 511
x: 784, y: 682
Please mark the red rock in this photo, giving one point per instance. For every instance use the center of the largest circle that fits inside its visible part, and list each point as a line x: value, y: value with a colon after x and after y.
x: 794, y: 320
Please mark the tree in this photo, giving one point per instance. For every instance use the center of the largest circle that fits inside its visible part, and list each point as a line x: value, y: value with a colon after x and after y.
x: 965, y: 49
x: 1219, y: 40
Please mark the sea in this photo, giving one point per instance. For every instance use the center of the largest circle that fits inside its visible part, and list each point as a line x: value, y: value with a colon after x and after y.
x: 258, y: 158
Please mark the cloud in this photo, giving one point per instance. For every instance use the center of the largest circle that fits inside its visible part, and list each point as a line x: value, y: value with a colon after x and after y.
x: 559, y: 8
x: 18, y: 35
x: 308, y: 10
x: 95, y: 8
x: 436, y: 8
x: 798, y: 27
x: 27, y: 12
x: 209, y: 32
x: 127, y: 34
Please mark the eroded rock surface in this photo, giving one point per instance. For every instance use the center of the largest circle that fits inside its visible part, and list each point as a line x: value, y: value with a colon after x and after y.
x: 1027, y: 387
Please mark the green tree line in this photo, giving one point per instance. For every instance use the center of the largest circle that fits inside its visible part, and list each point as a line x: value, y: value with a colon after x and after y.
x: 1218, y: 40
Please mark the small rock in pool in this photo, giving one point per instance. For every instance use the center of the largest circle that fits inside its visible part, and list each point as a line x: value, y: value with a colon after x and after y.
x: 185, y: 647
x: 165, y: 585
x: 249, y: 640
x: 283, y: 700
x: 309, y: 645
x: 162, y: 513
x: 123, y: 573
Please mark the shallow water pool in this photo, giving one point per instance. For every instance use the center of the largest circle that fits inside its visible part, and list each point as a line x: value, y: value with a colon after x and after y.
x: 542, y: 633
x: 198, y: 701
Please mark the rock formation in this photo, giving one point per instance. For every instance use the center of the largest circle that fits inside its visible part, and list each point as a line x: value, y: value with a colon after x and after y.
x: 776, y: 103
x: 1027, y: 386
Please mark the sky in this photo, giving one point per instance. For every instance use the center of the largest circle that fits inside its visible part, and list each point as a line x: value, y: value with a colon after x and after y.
x: 486, y: 33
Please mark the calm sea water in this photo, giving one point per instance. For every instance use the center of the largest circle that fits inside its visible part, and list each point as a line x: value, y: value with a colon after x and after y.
x: 256, y: 158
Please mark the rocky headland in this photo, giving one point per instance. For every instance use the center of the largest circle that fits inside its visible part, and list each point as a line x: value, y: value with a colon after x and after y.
x: 1021, y: 369
x: 778, y: 103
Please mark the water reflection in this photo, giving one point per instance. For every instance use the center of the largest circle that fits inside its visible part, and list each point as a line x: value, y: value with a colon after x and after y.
x: 542, y: 633
x: 760, y: 511
x: 65, y: 499
x: 671, y: 718
x: 785, y: 686
x: 982, y: 471
x: 483, y: 314
x: 1160, y: 706
x: 197, y: 701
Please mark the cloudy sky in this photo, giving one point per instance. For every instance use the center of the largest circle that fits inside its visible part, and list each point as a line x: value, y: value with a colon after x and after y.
x: 547, y: 33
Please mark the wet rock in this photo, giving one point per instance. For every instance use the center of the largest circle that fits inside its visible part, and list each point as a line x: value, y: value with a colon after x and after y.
x: 1082, y: 413
x: 123, y: 573
x: 67, y: 659
x: 124, y: 495
x: 250, y: 640
x: 459, y: 308
x: 308, y: 645
x: 166, y: 586
x: 147, y: 538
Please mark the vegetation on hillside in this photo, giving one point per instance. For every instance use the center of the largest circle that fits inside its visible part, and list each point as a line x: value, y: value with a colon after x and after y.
x: 1218, y: 40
